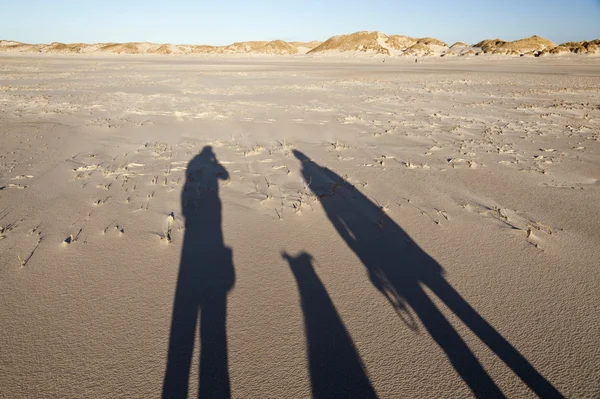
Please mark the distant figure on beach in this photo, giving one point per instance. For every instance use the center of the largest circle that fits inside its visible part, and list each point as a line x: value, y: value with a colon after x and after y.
x: 206, y: 275
x: 416, y: 60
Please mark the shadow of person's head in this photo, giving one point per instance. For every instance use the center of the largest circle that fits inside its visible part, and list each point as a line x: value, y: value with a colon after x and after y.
x: 300, y: 264
x: 300, y: 156
x: 201, y: 182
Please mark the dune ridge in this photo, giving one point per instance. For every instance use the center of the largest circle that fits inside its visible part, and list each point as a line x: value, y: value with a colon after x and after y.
x: 256, y: 47
x: 530, y: 45
x: 583, y: 47
x: 363, y: 42
x: 380, y: 43
x: 261, y: 47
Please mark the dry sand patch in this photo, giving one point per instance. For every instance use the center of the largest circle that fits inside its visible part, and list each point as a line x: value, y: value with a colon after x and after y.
x: 349, y: 199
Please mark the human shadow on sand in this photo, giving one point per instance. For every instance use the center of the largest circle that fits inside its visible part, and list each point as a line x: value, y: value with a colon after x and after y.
x: 336, y: 370
x: 206, y: 275
x: 399, y: 269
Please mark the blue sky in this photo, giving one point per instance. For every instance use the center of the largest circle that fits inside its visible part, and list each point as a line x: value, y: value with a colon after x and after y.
x: 224, y: 22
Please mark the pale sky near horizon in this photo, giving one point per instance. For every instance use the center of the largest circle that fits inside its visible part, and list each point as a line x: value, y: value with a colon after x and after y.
x: 224, y: 22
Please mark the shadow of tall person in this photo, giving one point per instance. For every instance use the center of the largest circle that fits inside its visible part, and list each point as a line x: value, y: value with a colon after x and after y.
x: 336, y: 370
x: 206, y: 275
x: 399, y: 269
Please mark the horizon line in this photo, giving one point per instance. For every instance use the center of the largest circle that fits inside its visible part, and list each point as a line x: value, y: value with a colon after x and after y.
x: 271, y: 40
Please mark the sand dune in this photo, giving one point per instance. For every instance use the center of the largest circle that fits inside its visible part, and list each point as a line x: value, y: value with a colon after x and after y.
x: 530, y: 45
x: 305, y: 47
x: 200, y: 49
x: 364, y: 42
x: 373, y: 42
x: 126, y: 48
x: 461, y: 49
x: 261, y: 47
x: 538, y: 46
x: 379, y: 43
x: 256, y: 47
x: 64, y: 48
x: 591, y: 48
x: 459, y: 44
x: 400, y: 42
x: 12, y: 46
x: 431, y: 41
x: 167, y: 49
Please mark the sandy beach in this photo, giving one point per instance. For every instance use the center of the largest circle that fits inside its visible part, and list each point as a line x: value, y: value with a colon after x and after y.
x: 257, y: 226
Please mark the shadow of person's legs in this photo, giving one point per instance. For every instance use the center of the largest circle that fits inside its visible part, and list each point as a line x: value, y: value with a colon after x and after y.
x: 492, y: 338
x: 335, y: 367
x: 181, y: 346
x: 462, y: 358
x: 214, y: 370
